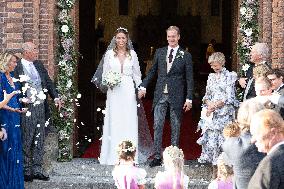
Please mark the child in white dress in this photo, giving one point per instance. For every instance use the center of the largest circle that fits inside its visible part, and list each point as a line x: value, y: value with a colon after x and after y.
x: 224, y: 178
x: 173, y: 176
x: 125, y: 174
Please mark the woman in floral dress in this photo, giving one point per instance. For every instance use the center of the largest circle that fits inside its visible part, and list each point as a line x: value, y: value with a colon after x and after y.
x: 219, y: 104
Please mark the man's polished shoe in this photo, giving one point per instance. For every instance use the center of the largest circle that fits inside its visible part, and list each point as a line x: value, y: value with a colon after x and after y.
x: 28, y: 178
x: 155, y: 162
x: 40, y: 176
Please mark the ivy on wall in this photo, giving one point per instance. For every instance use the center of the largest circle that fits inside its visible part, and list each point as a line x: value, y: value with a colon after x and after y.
x: 248, y: 35
x: 65, y: 81
x: 248, y: 31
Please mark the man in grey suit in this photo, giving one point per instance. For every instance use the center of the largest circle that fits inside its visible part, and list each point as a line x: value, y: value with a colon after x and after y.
x: 173, y: 89
x: 267, y: 129
x: 33, y: 126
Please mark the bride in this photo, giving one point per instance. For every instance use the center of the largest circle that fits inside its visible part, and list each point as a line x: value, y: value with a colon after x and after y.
x: 124, y: 116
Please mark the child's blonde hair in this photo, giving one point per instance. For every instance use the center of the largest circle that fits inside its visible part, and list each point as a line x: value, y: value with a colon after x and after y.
x: 126, y: 150
x: 224, y: 170
x: 174, y: 161
x: 232, y: 130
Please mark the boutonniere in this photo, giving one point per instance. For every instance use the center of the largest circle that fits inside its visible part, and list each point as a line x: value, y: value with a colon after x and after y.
x: 180, y: 54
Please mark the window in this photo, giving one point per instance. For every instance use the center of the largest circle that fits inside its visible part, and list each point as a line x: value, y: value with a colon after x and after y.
x: 123, y: 7
x: 215, y: 7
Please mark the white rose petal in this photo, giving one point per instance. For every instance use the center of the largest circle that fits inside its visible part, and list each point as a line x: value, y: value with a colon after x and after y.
x: 41, y: 95
x: 243, y: 10
x: 69, y: 84
x: 79, y: 95
x: 15, y: 80
x: 28, y: 113
x: 24, y: 78
x: 64, y: 28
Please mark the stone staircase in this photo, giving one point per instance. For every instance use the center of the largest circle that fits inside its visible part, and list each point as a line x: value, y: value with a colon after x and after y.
x: 89, y: 174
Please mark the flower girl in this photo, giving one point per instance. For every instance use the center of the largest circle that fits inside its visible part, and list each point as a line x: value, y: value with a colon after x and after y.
x: 125, y: 173
x: 173, y: 176
x: 224, y: 177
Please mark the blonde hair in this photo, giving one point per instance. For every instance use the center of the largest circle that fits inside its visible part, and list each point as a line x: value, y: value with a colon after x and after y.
x: 174, y: 28
x: 232, y: 130
x: 269, y: 119
x: 217, y: 57
x: 126, y: 150
x: 260, y: 70
x: 4, y: 61
x: 247, y: 109
x: 224, y: 170
x: 264, y: 81
x: 174, y: 160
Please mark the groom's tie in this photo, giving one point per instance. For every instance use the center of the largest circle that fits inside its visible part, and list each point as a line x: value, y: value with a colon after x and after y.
x: 171, y: 56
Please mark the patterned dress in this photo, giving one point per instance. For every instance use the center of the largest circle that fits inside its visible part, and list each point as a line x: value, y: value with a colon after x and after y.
x: 219, y: 87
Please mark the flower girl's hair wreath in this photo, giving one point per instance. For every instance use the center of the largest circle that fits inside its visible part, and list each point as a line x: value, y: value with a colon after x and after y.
x: 173, y: 158
x: 126, y: 150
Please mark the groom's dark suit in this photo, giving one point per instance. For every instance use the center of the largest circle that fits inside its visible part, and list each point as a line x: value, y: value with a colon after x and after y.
x: 179, y: 81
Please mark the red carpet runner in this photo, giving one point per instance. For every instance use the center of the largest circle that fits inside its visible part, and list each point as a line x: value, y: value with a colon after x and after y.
x: 188, y: 136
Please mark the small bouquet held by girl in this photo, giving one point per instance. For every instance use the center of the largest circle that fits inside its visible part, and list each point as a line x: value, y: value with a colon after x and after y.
x: 111, y: 79
x: 125, y: 174
x: 173, y: 177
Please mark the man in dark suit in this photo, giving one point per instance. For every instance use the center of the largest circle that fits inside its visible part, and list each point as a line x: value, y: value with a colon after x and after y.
x: 258, y: 57
x: 173, y: 89
x: 276, y: 78
x: 33, y: 126
x: 267, y: 129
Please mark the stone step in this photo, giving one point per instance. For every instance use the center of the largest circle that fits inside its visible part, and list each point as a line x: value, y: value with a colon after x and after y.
x: 89, y: 174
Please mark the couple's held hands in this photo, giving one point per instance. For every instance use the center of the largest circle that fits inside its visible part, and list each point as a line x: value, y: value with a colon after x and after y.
x: 243, y: 82
x: 141, y: 93
x: 187, y: 106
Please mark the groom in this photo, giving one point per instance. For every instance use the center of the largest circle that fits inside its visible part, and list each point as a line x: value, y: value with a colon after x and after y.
x: 173, y: 89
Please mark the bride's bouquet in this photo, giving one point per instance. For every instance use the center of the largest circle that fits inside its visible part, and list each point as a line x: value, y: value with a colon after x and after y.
x: 111, y: 79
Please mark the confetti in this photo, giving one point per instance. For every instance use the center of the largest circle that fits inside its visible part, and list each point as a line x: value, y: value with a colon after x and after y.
x: 28, y: 113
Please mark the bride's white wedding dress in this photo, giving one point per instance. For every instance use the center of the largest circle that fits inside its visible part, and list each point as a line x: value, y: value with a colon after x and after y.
x: 121, y: 120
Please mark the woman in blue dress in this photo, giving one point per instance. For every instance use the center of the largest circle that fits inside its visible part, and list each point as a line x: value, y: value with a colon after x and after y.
x: 11, y: 157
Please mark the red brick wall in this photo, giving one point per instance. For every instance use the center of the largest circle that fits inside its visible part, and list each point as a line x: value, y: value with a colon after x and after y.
x: 265, y: 22
x: 29, y: 20
x: 278, y: 32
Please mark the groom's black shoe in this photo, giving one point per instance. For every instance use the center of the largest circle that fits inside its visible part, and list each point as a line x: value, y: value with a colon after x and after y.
x: 40, y: 176
x: 155, y: 162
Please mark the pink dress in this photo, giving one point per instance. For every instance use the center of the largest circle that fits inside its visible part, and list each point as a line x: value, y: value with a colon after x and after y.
x: 128, y: 176
x: 219, y: 184
x: 164, y: 180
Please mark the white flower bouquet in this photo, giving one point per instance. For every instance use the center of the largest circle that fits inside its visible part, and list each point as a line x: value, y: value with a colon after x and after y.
x: 111, y: 79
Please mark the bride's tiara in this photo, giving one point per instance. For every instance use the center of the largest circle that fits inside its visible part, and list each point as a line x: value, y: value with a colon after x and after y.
x: 121, y: 28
